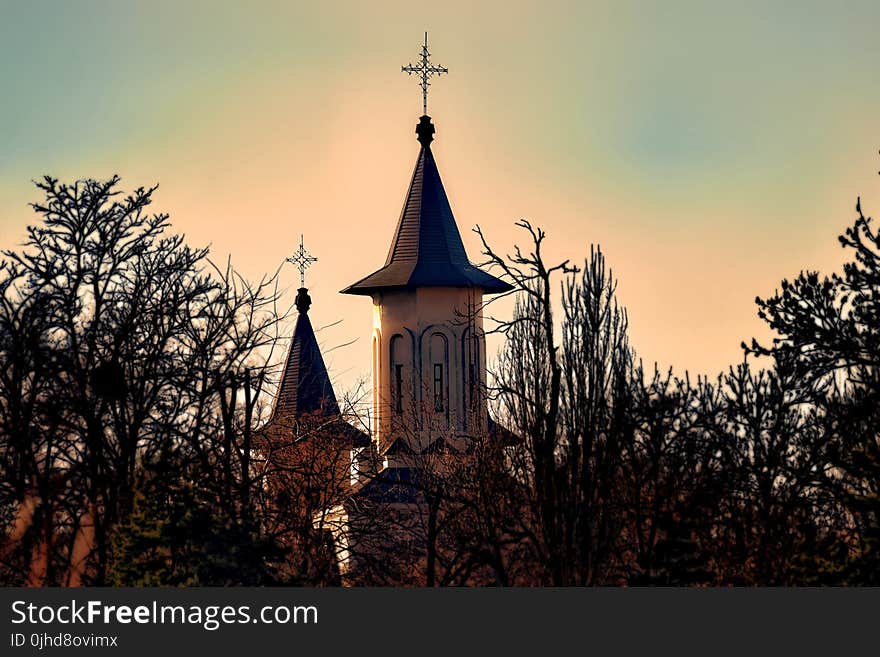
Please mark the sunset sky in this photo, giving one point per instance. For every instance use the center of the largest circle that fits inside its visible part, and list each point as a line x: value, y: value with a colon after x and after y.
x: 710, y: 148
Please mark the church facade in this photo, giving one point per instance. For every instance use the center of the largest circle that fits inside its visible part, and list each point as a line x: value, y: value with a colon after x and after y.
x: 428, y: 367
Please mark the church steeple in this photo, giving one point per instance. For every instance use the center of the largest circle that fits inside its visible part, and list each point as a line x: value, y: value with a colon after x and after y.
x: 426, y: 250
x: 428, y: 343
x: 305, y: 385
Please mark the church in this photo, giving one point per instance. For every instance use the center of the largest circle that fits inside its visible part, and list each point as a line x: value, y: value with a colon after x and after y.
x: 428, y: 371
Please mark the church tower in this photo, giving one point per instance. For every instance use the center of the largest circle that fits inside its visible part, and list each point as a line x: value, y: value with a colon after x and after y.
x: 428, y: 345
x: 305, y: 394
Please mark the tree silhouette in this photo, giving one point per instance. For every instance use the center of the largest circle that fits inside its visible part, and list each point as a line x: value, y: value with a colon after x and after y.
x: 119, y: 342
x: 134, y: 385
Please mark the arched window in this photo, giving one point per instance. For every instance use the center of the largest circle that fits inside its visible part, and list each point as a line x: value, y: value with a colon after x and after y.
x: 398, y: 361
x: 470, y: 373
x: 439, y: 372
x: 375, y: 377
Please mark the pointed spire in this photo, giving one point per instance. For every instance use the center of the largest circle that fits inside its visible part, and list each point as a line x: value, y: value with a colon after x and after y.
x: 427, y: 250
x: 305, y: 385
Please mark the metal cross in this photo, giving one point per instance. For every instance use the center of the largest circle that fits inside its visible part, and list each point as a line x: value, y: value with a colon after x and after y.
x: 303, y: 260
x: 425, y: 70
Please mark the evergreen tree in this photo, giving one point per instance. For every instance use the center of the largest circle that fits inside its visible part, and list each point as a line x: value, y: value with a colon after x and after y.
x: 177, y: 535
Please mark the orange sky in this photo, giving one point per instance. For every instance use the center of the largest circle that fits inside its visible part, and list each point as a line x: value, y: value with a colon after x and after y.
x: 710, y: 151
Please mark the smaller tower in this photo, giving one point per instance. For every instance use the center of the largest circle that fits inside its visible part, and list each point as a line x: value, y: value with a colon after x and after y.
x: 305, y: 404
x: 305, y: 385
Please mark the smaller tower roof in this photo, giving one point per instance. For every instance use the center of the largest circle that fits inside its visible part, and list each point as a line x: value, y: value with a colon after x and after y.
x: 427, y: 250
x: 305, y: 385
x: 305, y: 389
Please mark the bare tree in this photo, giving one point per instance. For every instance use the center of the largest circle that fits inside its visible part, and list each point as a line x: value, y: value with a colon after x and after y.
x: 124, y: 343
x: 568, y: 401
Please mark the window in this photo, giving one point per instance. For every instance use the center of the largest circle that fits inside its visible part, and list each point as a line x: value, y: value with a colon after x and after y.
x: 438, y: 387
x: 399, y: 356
x: 472, y: 385
x: 439, y: 358
x: 398, y: 388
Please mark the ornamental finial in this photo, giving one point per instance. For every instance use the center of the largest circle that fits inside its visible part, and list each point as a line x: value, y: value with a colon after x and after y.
x: 425, y: 131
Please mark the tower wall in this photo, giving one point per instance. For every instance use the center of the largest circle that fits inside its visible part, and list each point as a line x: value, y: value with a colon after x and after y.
x: 429, y: 365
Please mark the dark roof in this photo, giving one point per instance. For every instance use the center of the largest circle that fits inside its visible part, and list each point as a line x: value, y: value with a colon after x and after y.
x: 427, y: 250
x: 502, y: 434
x: 397, y: 447
x: 391, y: 486
x: 438, y: 446
x: 305, y: 398
x: 305, y: 385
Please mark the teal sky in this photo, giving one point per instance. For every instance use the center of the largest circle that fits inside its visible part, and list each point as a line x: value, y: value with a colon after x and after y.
x: 711, y: 148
